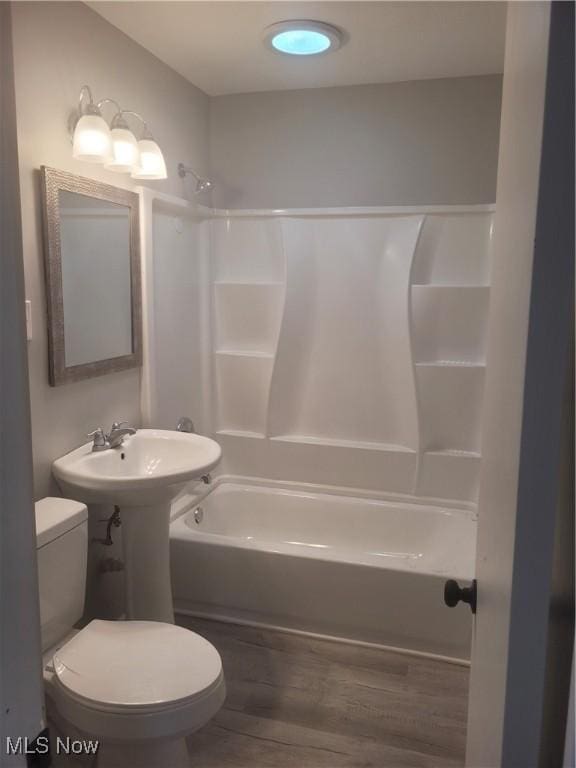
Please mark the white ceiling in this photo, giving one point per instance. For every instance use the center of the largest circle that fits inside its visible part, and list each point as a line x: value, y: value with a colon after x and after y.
x: 217, y: 45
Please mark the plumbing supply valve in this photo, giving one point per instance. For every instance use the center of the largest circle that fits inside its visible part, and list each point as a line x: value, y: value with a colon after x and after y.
x: 113, y: 521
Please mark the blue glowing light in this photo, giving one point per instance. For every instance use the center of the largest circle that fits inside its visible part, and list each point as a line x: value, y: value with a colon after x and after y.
x: 301, y: 42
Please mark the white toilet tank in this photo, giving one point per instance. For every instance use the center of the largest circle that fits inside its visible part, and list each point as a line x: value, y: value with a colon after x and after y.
x: 62, y: 548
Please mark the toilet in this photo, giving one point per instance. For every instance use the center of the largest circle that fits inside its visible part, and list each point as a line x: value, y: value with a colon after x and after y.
x: 138, y: 687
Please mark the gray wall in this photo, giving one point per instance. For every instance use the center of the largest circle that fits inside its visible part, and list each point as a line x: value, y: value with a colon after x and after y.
x: 21, y: 695
x: 57, y: 48
x: 427, y: 141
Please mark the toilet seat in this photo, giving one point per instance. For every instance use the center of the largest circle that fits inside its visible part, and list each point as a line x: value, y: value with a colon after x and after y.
x: 137, y: 679
x: 144, y: 665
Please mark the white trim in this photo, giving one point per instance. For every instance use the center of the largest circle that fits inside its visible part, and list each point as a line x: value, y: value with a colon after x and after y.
x: 332, y: 442
x: 179, y: 610
x: 385, y: 210
x: 148, y: 370
x: 173, y: 201
x: 203, y: 212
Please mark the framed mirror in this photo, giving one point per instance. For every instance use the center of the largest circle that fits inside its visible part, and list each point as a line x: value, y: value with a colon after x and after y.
x: 92, y: 258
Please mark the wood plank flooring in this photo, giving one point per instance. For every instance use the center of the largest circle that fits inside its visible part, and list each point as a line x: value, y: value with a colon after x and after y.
x: 295, y: 702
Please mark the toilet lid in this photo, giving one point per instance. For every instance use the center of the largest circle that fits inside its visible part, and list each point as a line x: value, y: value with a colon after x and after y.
x: 137, y: 664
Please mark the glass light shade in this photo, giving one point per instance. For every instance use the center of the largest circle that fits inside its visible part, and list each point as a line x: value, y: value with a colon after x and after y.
x: 301, y: 42
x: 124, y: 157
x: 151, y: 163
x: 92, y: 142
x: 303, y: 37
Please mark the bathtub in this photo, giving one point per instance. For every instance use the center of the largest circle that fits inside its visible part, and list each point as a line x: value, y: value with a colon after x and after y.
x: 346, y: 566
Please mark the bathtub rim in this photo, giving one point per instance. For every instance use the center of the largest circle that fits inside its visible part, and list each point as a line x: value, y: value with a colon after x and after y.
x: 193, y: 494
x: 181, y: 529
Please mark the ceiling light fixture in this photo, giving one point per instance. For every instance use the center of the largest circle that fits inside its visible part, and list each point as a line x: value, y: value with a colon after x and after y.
x: 115, y: 146
x: 303, y: 38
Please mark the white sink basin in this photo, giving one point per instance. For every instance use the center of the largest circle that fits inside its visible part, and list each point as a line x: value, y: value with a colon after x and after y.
x: 150, y: 467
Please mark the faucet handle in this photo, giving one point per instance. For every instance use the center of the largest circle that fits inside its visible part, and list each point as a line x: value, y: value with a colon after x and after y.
x: 185, y: 424
x: 99, y: 437
x: 118, y: 425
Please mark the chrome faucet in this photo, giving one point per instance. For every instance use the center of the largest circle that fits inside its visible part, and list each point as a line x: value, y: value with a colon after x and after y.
x: 185, y: 424
x: 114, y: 439
x: 118, y: 433
x: 100, y: 440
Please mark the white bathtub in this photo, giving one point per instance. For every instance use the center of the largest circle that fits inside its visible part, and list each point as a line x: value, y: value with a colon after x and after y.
x: 345, y: 566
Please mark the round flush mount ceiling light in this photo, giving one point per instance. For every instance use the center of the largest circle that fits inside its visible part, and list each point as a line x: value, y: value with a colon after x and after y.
x: 303, y: 38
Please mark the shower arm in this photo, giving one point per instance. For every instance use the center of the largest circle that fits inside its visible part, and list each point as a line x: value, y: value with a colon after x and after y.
x: 183, y: 170
x: 202, y: 184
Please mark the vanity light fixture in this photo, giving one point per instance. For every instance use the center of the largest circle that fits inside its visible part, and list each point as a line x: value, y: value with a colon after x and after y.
x: 151, y: 164
x: 92, y: 141
x: 124, y: 157
x: 303, y: 38
x: 115, y: 145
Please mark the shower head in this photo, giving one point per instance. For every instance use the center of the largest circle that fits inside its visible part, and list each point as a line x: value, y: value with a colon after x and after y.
x: 202, y: 185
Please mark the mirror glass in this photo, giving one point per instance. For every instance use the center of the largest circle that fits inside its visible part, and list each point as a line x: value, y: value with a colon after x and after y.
x: 93, y: 281
x: 96, y: 289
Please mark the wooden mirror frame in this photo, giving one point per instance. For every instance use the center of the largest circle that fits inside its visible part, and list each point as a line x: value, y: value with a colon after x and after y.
x: 53, y: 181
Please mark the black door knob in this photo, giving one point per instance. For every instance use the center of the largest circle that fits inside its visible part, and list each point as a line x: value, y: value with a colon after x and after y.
x: 454, y: 593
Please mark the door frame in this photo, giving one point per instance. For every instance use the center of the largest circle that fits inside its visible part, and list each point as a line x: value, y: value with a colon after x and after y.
x: 21, y: 692
x: 529, y: 352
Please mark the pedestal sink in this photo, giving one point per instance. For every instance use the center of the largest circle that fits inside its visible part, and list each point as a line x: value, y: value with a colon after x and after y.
x: 141, y: 477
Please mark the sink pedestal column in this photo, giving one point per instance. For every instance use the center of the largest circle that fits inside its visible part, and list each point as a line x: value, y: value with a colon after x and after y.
x: 146, y: 547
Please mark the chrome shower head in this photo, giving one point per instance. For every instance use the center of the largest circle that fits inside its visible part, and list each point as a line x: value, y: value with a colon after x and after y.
x: 202, y: 185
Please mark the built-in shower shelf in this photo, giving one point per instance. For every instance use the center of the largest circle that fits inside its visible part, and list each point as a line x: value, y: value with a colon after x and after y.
x: 450, y: 406
x: 454, y: 453
x: 449, y: 325
x: 451, y: 287
x: 338, y: 443
x: 242, y: 384
x: 450, y: 364
x: 245, y: 353
x: 248, y: 284
x: 247, y: 317
x: 449, y: 473
x: 240, y: 433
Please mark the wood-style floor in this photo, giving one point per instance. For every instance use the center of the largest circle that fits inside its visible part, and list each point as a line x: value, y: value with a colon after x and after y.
x: 295, y: 702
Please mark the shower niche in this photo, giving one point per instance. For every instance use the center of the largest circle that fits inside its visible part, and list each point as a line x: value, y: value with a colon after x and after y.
x: 449, y: 308
x: 248, y: 295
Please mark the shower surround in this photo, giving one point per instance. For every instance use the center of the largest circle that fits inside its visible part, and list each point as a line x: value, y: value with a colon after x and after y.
x: 339, y: 349
x: 348, y: 347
